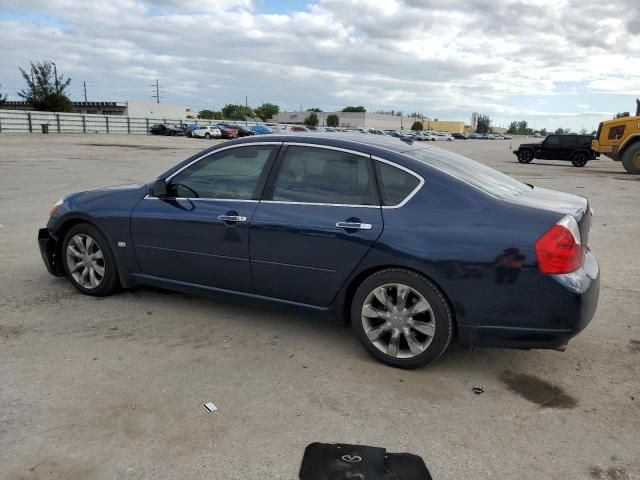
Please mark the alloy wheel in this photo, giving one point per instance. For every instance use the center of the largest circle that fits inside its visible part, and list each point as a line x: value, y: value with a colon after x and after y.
x: 398, y: 320
x: 85, y: 261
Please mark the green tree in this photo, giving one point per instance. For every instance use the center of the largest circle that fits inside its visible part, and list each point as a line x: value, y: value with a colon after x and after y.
x: 314, y: 109
x: 417, y: 126
x: 267, y: 111
x: 544, y: 132
x: 523, y: 126
x: 484, y: 124
x: 233, y: 111
x: 45, y: 88
x: 513, y: 128
x: 559, y: 131
x: 333, y: 120
x: 621, y: 114
x: 2, y: 99
x: 311, y: 120
x: 210, y: 115
x: 359, y: 108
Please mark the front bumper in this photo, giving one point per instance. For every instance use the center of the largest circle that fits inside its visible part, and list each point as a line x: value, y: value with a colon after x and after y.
x: 50, y: 252
x: 577, y: 305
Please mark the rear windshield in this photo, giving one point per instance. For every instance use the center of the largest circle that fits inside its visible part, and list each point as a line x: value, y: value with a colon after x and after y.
x: 474, y: 173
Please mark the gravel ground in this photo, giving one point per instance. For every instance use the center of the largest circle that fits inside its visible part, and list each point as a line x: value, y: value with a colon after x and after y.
x: 112, y: 388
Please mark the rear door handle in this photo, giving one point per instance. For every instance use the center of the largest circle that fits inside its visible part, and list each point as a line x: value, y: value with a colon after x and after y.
x: 354, y: 226
x: 232, y: 218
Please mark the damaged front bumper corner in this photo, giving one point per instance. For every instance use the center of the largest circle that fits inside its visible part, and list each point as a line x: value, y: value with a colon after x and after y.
x: 50, y: 251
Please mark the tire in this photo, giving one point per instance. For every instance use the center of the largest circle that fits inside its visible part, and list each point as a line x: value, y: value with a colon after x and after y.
x: 207, y: 136
x: 631, y: 159
x: 396, y: 332
x: 525, y: 156
x: 579, y: 159
x: 75, y: 272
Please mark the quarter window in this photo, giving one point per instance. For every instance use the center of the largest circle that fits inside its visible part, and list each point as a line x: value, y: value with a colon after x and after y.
x: 395, y: 184
x: 320, y: 175
x: 231, y: 174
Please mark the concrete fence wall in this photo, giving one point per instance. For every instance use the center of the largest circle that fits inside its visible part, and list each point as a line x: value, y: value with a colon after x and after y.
x: 19, y: 121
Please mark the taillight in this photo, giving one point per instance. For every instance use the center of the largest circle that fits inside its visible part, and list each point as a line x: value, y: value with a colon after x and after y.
x: 560, y: 250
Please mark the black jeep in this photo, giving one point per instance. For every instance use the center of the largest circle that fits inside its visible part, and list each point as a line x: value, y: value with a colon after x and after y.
x: 576, y: 148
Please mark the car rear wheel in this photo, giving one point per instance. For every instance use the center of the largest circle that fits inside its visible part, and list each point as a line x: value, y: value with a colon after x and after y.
x: 631, y: 159
x: 579, y: 159
x: 207, y: 136
x: 525, y: 156
x: 88, y: 261
x: 401, y: 318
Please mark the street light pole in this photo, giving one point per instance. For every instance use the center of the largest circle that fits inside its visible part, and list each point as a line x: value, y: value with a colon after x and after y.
x: 55, y: 74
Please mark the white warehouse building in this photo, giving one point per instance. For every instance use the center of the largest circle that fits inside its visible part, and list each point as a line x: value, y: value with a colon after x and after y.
x: 352, y: 119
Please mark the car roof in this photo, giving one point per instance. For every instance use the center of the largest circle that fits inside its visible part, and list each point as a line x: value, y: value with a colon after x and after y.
x: 343, y: 140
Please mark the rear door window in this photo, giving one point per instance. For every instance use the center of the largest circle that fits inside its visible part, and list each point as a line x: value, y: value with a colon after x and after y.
x: 324, y: 176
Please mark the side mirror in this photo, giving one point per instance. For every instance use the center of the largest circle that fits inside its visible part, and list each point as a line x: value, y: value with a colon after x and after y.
x: 158, y: 188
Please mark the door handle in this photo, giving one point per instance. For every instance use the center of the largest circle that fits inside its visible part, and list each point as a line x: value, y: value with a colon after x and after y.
x: 232, y: 218
x: 354, y: 225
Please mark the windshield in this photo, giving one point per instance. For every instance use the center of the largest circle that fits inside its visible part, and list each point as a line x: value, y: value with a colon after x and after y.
x: 474, y: 173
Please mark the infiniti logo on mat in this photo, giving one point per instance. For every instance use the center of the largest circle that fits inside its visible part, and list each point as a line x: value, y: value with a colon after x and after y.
x: 352, y: 458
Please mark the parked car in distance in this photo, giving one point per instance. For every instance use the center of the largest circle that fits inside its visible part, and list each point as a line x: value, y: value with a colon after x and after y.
x: 298, y: 128
x: 241, y: 129
x: 169, y: 129
x: 260, y: 129
x: 575, y: 148
x: 227, y: 131
x: 298, y: 219
x: 400, y: 133
x: 443, y: 137
x: 459, y: 136
x: 207, y: 131
x: 189, y: 128
x: 507, y: 137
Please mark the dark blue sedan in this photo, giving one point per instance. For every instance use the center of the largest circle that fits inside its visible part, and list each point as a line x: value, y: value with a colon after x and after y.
x: 413, y: 245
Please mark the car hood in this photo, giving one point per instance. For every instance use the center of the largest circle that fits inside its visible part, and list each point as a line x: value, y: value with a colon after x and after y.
x: 533, y: 145
x: 127, y: 186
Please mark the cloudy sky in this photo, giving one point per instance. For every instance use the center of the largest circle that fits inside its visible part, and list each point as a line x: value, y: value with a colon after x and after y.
x: 551, y: 62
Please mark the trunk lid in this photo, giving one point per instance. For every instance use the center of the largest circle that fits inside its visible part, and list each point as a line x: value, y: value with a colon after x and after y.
x: 561, y: 203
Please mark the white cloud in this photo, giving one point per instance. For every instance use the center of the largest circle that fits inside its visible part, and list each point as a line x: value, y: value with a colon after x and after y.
x: 441, y: 58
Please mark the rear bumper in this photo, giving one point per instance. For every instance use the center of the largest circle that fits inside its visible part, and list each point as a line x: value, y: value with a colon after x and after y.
x: 581, y: 291
x: 50, y: 252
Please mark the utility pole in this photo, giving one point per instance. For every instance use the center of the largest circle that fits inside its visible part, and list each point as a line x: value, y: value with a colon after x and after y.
x: 84, y: 86
x: 246, y: 102
x: 157, y: 87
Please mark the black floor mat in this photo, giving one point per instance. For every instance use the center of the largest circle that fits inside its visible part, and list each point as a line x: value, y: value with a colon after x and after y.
x: 339, y: 461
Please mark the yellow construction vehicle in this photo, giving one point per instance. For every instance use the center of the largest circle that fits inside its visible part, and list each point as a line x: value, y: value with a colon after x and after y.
x: 619, y: 139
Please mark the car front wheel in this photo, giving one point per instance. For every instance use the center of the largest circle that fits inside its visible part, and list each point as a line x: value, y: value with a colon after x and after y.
x: 525, y: 156
x: 401, y: 318
x: 88, y: 261
x: 579, y: 159
x: 207, y: 136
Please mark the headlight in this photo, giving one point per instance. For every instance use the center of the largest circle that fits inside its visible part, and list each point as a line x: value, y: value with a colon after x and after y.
x: 56, y: 206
